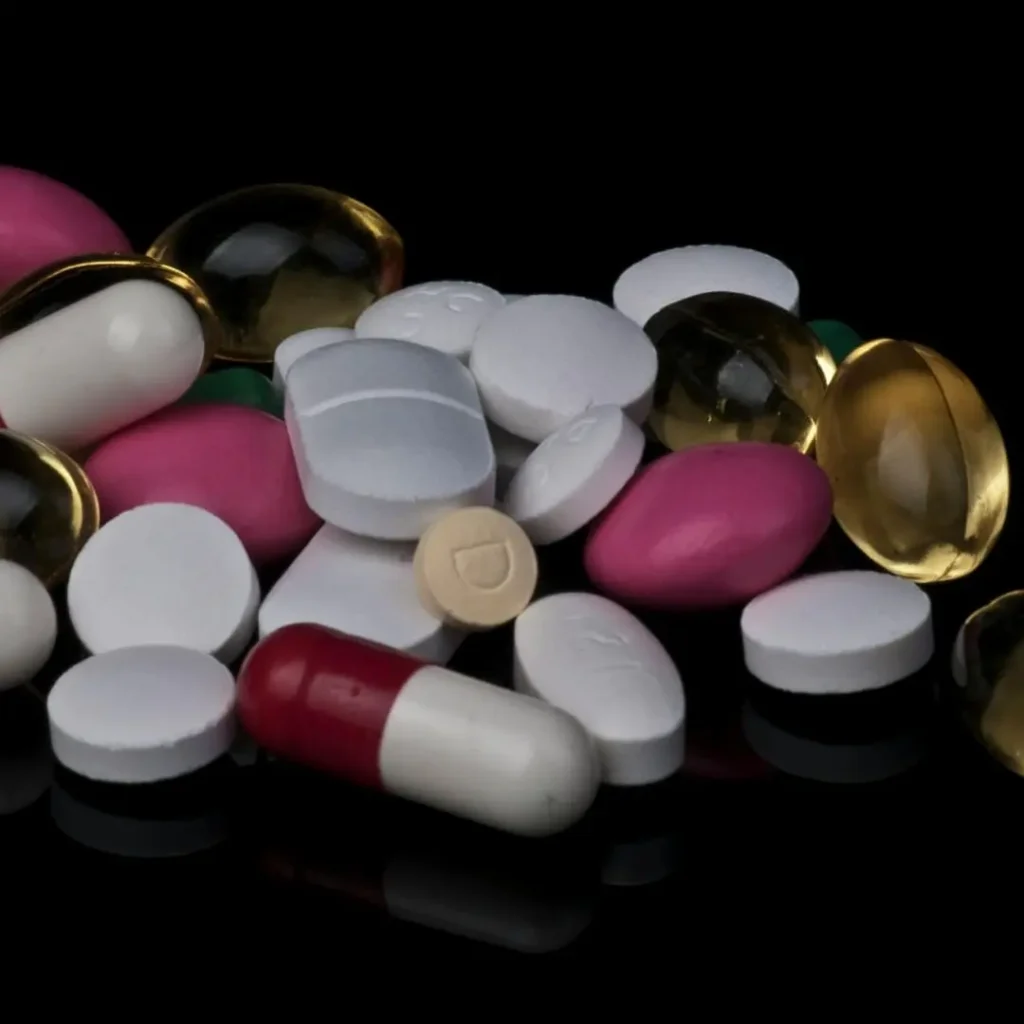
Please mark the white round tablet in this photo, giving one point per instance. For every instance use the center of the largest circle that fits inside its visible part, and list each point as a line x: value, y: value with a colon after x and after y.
x: 666, y: 277
x: 574, y: 474
x: 305, y: 341
x: 546, y: 359
x: 142, y: 714
x: 838, y: 632
x: 164, y: 574
x: 28, y: 625
x: 586, y: 655
x: 441, y: 314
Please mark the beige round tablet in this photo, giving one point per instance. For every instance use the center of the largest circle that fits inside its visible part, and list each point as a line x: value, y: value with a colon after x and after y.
x: 475, y: 568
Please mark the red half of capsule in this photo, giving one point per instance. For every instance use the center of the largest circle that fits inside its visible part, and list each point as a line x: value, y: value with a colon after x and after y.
x: 322, y: 698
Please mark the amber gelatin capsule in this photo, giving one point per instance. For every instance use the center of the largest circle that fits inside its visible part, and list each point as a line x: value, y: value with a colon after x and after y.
x: 735, y: 368
x: 278, y: 259
x: 917, y: 464
x: 988, y: 670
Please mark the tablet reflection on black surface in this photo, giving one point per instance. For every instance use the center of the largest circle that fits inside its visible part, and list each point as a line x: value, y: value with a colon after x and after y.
x: 26, y: 764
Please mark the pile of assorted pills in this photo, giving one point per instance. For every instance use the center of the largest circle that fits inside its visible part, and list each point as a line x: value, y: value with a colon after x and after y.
x: 257, y: 398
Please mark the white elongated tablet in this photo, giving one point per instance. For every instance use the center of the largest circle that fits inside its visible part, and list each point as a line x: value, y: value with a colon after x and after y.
x: 443, y: 315
x: 574, y: 474
x: 363, y: 587
x: 164, y: 574
x: 388, y: 436
x: 510, y: 452
x: 838, y: 632
x: 586, y: 655
x: 305, y: 341
x: 542, y: 361
x: 666, y: 277
x: 28, y: 625
x: 142, y: 714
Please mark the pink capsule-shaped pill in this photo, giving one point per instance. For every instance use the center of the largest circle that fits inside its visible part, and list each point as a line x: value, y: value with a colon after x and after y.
x: 231, y: 460
x: 710, y: 526
x: 43, y: 221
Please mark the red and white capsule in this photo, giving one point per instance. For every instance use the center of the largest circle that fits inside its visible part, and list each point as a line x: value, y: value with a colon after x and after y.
x: 385, y: 720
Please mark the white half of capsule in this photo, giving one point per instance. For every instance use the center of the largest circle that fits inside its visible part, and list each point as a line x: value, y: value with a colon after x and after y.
x: 487, y: 754
x: 593, y: 659
x: 77, y: 375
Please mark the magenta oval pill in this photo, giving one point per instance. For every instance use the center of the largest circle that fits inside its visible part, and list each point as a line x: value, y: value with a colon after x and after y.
x: 43, y: 221
x: 231, y: 460
x: 710, y: 526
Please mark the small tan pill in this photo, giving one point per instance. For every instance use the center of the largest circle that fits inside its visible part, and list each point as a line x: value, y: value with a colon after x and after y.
x: 475, y: 568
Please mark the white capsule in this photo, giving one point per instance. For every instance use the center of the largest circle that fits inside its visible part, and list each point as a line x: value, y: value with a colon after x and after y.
x: 28, y: 625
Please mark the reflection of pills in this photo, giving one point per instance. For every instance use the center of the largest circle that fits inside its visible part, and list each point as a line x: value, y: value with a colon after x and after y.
x: 164, y: 574
x: 28, y: 625
x: 142, y: 714
x: 475, y: 568
x: 574, y: 474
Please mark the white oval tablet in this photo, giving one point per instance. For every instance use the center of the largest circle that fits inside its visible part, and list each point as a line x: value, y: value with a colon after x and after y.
x: 586, y: 655
x: 142, y: 714
x: 388, y: 436
x: 366, y: 588
x: 574, y: 474
x: 443, y: 315
x: 838, y: 632
x: 546, y: 359
x: 305, y: 341
x: 666, y: 277
x: 164, y: 574
x: 28, y: 625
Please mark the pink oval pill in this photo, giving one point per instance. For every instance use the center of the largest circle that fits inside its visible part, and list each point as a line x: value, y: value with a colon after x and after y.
x: 710, y: 526
x: 43, y: 221
x: 231, y: 460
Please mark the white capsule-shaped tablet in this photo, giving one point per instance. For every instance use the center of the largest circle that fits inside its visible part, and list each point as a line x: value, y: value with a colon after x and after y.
x: 77, y: 375
x: 305, y: 341
x: 142, y: 714
x: 838, y: 632
x: 28, y: 625
x: 588, y: 656
x: 546, y: 359
x: 164, y: 574
x: 363, y: 587
x: 675, y: 274
x: 442, y: 315
x: 574, y: 474
x: 388, y: 436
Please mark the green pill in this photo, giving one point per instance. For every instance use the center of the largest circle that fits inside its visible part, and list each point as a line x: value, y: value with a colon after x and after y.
x: 837, y: 337
x: 238, y: 385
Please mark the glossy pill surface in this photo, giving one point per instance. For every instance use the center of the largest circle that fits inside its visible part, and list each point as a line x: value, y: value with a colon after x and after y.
x: 709, y: 527
x: 48, y: 507
x: 384, y: 720
x: 916, y: 461
x: 28, y: 625
x: 278, y: 259
x: 839, y: 338
x: 735, y: 368
x: 237, y: 385
x: 43, y: 221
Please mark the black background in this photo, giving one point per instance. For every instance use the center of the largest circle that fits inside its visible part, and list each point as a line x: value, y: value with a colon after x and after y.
x: 751, y: 869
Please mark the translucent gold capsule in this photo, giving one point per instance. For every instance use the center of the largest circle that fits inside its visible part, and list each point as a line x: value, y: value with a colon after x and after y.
x: 917, y: 464
x: 278, y: 259
x: 988, y: 670
x: 48, y: 508
x: 735, y: 368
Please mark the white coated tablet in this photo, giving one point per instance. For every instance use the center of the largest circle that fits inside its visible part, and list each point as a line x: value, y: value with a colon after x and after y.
x: 510, y: 452
x: 142, y: 714
x: 164, y: 574
x: 838, y: 632
x: 574, y: 474
x: 443, y: 315
x: 388, y: 436
x: 842, y: 763
x: 544, y: 360
x: 586, y: 655
x: 666, y: 277
x: 305, y: 341
x: 28, y: 625
x: 363, y: 587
